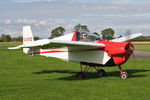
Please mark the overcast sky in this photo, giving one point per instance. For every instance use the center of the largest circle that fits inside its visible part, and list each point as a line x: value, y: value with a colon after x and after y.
x: 45, y: 15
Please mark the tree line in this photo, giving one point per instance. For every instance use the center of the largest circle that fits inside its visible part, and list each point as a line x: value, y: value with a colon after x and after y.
x: 107, y: 34
x: 8, y: 38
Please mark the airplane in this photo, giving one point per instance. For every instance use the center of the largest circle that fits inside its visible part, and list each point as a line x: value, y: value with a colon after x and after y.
x: 82, y: 47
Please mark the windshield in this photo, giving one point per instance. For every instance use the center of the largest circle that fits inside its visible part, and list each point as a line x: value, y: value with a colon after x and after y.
x: 86, y: 36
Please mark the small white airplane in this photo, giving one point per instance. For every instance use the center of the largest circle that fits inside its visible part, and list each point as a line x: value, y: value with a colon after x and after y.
x: 84, y: 48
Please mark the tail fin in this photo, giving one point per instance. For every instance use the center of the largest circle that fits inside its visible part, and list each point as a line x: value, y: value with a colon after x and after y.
x: 27, y: 35
x: 27, y: 38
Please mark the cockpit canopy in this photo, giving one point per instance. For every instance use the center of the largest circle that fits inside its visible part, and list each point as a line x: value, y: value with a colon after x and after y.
x: 86, y: 36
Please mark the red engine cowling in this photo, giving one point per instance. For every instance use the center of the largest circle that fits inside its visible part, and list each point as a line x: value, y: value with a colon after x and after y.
x: 119, y: 51
x: 120, y: 59
x: 116, y: 48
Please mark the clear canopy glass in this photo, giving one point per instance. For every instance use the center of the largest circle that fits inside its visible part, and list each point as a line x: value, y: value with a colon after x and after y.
x: 87, y: 36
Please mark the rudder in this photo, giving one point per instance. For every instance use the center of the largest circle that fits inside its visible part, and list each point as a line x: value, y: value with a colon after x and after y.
x: 27, y: 38
x: 27, y: 35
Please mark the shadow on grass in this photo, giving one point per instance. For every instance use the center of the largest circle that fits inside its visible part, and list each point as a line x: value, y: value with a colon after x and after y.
x: 92, y: 75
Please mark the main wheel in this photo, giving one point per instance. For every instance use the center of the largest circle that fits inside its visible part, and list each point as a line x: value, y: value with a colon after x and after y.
x: 80, y: 75
x: 101, y: 72
x: 125, y: 75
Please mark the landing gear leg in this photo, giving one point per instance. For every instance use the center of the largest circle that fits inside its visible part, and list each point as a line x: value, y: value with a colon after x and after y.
x: 100, y: 72
x: 123, y: 75
x: 81, y: 74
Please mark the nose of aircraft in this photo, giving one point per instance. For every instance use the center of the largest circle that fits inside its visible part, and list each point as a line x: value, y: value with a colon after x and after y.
x: 129, y: 48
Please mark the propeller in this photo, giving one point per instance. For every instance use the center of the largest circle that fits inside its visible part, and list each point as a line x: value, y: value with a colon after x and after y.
x: 131, y: 47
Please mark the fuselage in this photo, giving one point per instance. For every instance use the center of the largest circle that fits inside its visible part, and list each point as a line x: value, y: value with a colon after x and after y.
x: 114, y: 53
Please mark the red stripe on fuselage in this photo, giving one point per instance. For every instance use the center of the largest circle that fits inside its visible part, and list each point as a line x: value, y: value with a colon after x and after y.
x: 52, y: 51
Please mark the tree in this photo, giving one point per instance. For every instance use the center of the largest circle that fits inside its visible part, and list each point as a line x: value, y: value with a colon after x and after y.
x: 108, y: 34
x: 20, y: 38
x: 5, y: 38
x: 59, y: 31
x: 36, y: 38
x: 8, y: 38
x: 81, y: 27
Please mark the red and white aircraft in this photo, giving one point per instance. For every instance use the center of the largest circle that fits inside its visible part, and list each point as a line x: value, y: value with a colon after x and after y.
x: 84, y: 48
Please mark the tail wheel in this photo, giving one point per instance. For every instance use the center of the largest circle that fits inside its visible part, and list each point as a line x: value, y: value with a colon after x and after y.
x: 124, y: 76
x: 80, y: 75
x: 101, y: 72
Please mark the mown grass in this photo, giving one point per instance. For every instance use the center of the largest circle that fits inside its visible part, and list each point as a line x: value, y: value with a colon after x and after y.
x: 142, y: 47
x: 40, y: 78
x: 9, y: 44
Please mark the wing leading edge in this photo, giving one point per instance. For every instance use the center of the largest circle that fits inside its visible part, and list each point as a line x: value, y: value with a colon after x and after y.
x: 126, y: 38
x: 72, y: 45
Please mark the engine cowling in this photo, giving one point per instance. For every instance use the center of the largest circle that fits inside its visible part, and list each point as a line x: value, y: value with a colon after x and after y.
x: 120, y: 52
x: 117, y: 49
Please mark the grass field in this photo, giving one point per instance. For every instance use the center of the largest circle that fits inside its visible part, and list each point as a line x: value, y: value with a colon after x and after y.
x: 39, y: 78
x: 9, y: 44
x: 142, y: 46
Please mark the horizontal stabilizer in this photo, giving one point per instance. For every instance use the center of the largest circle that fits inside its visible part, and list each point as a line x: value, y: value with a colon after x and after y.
x: 17, y: 47
x: 38, y: 43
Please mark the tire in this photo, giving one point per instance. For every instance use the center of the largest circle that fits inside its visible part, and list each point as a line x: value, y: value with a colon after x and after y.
x: 80, y: 75
x: 125, y: 75
x: 101, y: 72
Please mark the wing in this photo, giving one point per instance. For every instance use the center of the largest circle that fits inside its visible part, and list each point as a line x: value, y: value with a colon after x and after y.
x: 77, y: 46
x: 72, y: 45
x: 126, y: 38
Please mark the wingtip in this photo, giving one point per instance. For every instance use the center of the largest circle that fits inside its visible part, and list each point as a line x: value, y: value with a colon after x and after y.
x: 139, y: 34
